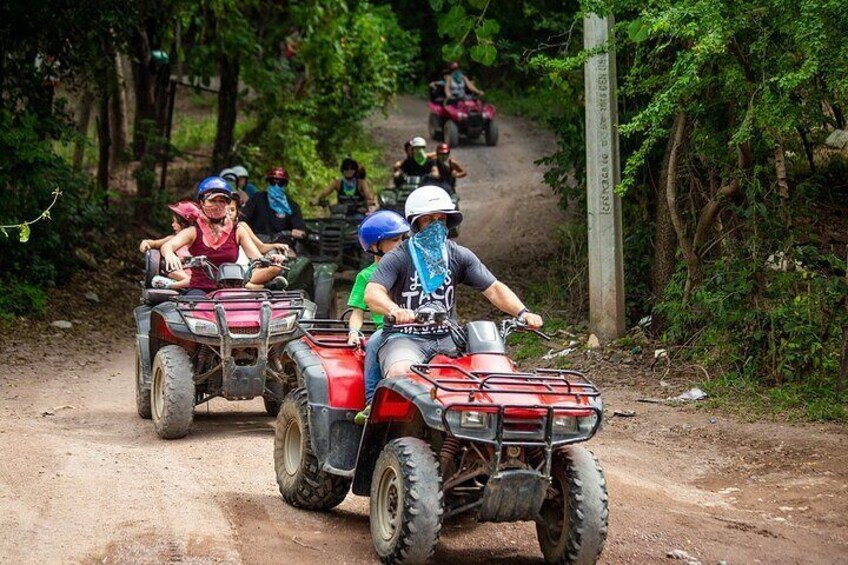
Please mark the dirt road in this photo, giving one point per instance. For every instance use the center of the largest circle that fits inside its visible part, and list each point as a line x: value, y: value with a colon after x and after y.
x: 83, y: 479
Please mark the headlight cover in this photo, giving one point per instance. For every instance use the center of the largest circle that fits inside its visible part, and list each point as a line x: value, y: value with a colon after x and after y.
x: 283, y: 325
x: 202, y: 327
x: 473, y: 424
x: 388, y: 198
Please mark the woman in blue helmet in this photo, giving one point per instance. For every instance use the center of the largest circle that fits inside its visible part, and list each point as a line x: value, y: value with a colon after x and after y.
x: 215, y: 235
x: 379, y: 233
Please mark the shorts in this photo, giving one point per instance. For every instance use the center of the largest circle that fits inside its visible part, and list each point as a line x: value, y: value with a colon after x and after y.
x: 412, y: 348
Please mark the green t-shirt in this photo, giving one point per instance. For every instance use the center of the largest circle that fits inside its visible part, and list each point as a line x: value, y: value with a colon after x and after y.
x: 357, y: 295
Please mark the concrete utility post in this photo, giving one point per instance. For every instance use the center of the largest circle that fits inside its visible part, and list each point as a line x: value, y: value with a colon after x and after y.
x: 606, y: 265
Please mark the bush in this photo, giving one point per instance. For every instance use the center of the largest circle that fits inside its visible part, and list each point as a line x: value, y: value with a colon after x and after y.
x: 29, y: 173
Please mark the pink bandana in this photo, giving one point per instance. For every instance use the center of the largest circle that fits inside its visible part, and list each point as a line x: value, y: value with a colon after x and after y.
x: 209, y: 238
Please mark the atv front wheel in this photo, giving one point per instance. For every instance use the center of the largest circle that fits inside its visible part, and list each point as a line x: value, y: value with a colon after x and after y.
x: 406, y: 502
x: 435, y: 126
x: 172, y: 392
x: 142, y: 391
x: 572, y: 527
x: 302, y: 482
x: 492, y: 133
x: 451, y: 133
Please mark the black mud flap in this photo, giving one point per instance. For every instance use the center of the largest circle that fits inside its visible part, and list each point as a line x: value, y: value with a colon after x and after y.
x: 513, y: 496
x: 335, y: 437
x: 142, y: 336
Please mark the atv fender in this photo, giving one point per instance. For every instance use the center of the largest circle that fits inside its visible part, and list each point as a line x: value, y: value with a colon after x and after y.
x: 142, y: 336
x: 335, y: 436
x: 427, y: 412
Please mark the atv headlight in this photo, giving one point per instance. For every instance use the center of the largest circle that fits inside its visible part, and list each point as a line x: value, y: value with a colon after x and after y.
x: 565, y: 424
x: 388, y: 198
x: 473, y: 420
x: 201, y: 327
x: 283, y: 325
x: 471, y: 424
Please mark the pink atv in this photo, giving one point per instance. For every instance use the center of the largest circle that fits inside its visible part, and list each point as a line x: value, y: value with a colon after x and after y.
x: 468, y: 118
x: 228, y: 343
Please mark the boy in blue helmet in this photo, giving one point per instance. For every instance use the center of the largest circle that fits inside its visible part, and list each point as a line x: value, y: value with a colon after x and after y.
x: 379, y: 233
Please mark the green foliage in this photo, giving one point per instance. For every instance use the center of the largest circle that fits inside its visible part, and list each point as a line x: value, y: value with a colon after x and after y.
x: 21, y: 299
x: 769, y: 326
x: 356, y: 57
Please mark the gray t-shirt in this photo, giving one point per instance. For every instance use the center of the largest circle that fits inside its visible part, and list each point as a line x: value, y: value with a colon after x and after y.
x: 396, y: 272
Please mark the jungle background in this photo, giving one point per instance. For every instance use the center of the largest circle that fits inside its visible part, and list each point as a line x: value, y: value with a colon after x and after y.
x: 734, y: 160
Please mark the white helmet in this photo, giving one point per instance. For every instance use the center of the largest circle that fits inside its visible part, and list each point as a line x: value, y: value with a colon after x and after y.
x: 228, y: 175
x: 417, y: 142
x: 240, y: 171
x: 431, y: 199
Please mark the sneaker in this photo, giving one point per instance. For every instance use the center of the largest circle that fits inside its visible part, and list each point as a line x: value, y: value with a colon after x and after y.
x: 363, y: 416
x: 278, y: 283
x: 162, y: 282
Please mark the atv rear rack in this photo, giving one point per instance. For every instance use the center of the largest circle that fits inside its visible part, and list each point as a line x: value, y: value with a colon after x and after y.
x: 545, y: 382
x: 331, y: 333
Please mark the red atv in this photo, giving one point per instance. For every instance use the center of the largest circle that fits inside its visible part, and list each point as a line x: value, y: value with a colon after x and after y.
x: 229, y: 343
x: 469, y: 118
x: 463, y: 434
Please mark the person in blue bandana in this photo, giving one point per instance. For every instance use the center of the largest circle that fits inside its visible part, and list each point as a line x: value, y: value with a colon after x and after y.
x: 272, y: 211
x: 425, y: 269
x: 457, y: 85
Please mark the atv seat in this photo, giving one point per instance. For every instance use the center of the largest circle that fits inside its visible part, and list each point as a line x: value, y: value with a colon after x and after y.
x: 154, y: 296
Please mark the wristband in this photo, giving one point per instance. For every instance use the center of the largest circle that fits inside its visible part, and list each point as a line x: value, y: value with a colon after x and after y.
x: 522, y: 312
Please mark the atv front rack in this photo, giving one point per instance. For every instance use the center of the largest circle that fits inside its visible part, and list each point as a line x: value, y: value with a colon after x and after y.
x: 332, y: 333
x: 544, y: 382
x: 523, y: 425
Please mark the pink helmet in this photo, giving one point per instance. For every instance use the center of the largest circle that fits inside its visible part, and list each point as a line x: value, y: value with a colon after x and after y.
x: 186, y: 210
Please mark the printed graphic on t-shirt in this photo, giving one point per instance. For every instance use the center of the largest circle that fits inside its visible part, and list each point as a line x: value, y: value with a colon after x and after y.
x: 414, y: 296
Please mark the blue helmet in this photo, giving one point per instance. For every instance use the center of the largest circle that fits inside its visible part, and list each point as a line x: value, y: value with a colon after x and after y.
x: 213, y: 185
x: 381, y: 225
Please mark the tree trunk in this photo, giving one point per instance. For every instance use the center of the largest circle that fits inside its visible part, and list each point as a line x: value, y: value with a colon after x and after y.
x: 808, y: 149
x: 228, y: 70
x: 842, y: 385
x: 145, y: 111
x: 665, y: 239
x: 117, y: 114
x: 104, y: 142
x: 693, y: 262
x: 84, y: 110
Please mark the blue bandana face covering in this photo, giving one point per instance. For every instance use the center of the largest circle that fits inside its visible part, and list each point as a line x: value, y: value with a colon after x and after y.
x: 278, y: 201
x: 349, y: 186
x: 430, y: 255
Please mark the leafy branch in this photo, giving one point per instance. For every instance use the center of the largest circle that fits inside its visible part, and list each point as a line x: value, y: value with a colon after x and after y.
x: 24, y: 228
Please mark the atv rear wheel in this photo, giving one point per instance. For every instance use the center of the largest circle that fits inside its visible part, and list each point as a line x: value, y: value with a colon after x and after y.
x: 142, y: 391
x: 572, y: 527
x: 406, y: 502
x: 434, y: 125
x: 172, y: 392
x: 492, y: 133
x: 451, y: 133
x: 302, y: 482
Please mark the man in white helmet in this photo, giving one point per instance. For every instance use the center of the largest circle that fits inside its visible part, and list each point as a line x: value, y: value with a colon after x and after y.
x: 417, y: 164
x: 427, y: 268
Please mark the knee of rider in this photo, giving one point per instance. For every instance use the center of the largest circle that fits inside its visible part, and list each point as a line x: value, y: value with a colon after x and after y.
x: 398, y: 369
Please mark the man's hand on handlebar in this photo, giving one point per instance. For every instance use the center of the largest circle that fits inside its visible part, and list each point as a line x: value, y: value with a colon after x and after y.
x: 298, y: 234
x: 400, y: 316
x: 532, y: 320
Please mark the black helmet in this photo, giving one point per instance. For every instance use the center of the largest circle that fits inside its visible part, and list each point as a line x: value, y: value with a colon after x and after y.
x: 349, y: 163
